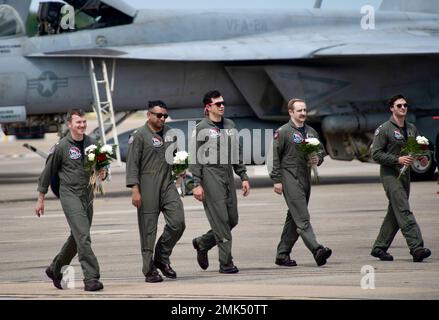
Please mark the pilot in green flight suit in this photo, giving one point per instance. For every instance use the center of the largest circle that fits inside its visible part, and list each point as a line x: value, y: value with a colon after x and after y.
x: 389, y: 139
x: 216, y: 140
x: 66, y: 159
x: 291, y: 175
x: 148, y: 173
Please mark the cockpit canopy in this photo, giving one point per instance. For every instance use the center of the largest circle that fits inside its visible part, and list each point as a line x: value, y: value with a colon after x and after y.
x: 11, y: 24
x: 91, y: 14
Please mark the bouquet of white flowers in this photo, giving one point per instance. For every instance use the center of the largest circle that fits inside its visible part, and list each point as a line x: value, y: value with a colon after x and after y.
x: 310, y: 147
x: 179, y: 167
x: 414, y: 147
x: 98, y: 157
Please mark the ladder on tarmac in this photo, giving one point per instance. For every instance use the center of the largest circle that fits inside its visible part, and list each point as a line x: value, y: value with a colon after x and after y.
x: 102, y: 90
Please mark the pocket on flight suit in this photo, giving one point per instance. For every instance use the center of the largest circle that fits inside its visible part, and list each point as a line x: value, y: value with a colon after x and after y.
x: 150, y: 193
x: 171, y: 199
x: 72, y: 203
x: 292, y: 187
x: 215, y: 188
x: 396, y: 194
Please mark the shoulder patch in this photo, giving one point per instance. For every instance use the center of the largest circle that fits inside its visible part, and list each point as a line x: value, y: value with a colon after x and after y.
x: 131, y: 139
x: 276, y: 135
x: 52, y: 149
x: 377, y: 131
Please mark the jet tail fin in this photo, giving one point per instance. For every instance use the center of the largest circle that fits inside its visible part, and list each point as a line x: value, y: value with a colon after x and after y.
x: 423, y: 6
x: 22, y: 7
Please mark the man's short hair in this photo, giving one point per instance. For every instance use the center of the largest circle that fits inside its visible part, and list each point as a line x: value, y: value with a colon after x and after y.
x: 211, y: 95
x: 293, y: 101
x: 72, y: 112
x: 393, y: 99
x: 157, y: 103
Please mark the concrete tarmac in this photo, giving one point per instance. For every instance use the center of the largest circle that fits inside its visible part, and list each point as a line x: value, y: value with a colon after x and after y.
x: 347, y: 209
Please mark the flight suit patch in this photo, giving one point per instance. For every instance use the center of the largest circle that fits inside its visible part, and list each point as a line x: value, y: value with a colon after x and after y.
x: 169, y: 139
x: 297, y: 138
x: 276, y: 135
x: 157, y: 142
x: 398, y: 135
x: 214, y: 133
x: 377, y: 131
x: 52, y: 150
x: 75, y: 153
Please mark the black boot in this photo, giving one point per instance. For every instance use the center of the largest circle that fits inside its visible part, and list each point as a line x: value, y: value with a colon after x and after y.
x: 381, y: 254
x: 93, y: 285
x: 321, y: 255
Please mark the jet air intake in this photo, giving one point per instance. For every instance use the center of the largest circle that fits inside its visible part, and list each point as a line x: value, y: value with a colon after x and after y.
x: 355, y: 123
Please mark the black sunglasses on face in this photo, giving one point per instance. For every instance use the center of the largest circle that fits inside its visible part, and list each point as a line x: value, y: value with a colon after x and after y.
x: 400, y: 105
x: 218, y: 104
x: 160, y: 115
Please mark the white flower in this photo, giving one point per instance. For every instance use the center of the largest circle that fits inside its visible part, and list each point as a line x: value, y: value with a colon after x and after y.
x: 180, y: 157
x: 421, y: 140
x: 313, y: 141
x: 91, y: 157
x: 90, y: 148
x: 107, y: 149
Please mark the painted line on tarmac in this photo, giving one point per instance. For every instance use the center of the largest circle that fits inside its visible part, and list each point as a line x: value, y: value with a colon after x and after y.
x: 104, y: 232
x: 33, y: 240
x: 116, y: 212
x: 19, y: 156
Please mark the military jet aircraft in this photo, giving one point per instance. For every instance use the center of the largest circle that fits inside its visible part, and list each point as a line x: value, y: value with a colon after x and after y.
x: 345, y: 64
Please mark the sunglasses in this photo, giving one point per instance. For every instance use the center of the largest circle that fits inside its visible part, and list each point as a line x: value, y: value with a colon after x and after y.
x: 401, y: 105
x: 160, y: 115
x: 218, y: 104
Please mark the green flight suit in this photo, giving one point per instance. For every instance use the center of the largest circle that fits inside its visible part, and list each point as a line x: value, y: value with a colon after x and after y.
x: 219, y: 154
x: 386, y: 149
x: 67, y: 160
x: 147, y: 167
x: 290, y: 167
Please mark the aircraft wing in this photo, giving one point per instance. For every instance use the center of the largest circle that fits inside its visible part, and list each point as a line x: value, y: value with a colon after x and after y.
x: 411, y: 41
x: 283, y: 45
